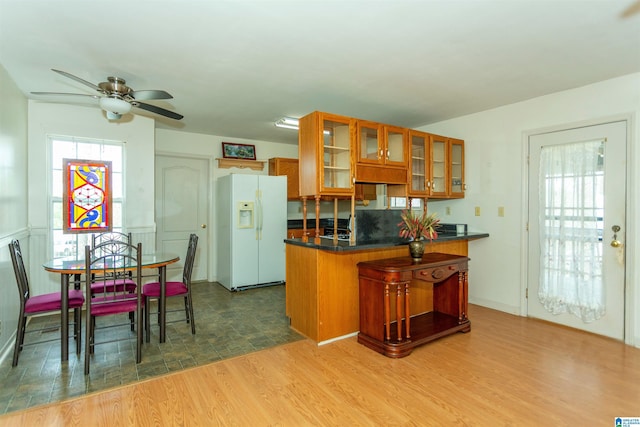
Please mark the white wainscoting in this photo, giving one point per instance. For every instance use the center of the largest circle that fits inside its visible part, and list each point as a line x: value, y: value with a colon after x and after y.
x: 9, y: 299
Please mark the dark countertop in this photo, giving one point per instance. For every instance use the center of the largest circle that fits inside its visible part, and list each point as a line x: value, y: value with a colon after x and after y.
x: 362, y: 244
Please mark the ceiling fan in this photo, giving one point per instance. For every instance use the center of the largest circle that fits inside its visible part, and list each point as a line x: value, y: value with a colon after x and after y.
x: 116, y: 98
x: 632, y: 9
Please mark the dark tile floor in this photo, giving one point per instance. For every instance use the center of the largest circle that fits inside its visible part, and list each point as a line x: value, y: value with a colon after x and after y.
x: 227, y: 324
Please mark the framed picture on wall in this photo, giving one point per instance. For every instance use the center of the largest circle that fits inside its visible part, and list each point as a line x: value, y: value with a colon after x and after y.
x: 231, y: 150
x: 86, y: 199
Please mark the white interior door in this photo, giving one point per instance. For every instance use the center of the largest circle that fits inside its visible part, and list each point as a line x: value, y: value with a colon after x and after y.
x: 181, y: 197
x: 613, y: 137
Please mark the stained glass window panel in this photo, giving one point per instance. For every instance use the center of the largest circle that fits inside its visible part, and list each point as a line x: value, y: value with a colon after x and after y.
x: 87, y: 196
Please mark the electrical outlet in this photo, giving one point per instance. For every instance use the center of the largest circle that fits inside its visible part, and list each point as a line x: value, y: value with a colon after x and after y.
x: 500, y: 210
x: 447, y: 210
x: 477, y: 210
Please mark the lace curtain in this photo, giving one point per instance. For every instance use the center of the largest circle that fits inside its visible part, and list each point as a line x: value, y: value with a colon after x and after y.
x: 572, y: 208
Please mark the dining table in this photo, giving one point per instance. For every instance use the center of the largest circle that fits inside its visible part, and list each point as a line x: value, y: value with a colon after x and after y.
x: 75, y: 266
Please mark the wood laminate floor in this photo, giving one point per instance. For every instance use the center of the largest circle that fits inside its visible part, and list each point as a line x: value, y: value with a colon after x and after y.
x: 508, y: 371
x: 228, y: 324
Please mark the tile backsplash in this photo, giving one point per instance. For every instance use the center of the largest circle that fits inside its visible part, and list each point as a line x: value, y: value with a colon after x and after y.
x: 377, y: 224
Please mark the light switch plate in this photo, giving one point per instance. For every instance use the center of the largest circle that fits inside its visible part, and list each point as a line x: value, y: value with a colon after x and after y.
x: 477, y: 210
x: 500, y: 210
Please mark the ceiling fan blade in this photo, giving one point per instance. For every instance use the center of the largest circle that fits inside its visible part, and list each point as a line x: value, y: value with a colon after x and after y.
x: 158, y: 110
x: 631, y: 10
x: 65, y: 94
x: 144, y: 95
x: 78, y: 79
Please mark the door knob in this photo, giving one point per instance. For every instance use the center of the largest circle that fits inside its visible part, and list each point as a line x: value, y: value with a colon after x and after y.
x: 204, y: 226
x: 615, y: 242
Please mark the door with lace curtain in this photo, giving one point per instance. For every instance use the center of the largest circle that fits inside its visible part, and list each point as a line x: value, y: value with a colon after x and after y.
x: 577, y: 199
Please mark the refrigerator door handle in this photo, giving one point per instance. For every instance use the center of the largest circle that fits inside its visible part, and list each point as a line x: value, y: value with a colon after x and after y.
x: 260, y: 215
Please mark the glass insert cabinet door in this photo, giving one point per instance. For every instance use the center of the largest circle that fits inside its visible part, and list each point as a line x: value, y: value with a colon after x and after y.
x: 419, y: 164
x: 439, y: 160
x: 370, y: 148
x: 457, y: 167
x: 394, y: 145
x: 336, y: 149
x: 381, y: 144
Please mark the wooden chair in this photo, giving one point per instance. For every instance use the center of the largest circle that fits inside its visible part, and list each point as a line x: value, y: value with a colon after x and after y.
x: 39, y: 304
x: 174, y: 289
x: 100, y: 267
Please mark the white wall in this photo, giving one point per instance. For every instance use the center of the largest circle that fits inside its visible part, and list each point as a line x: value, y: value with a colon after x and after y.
x: 495, y: 145
x: 13, y: 200
x: 87, y: 121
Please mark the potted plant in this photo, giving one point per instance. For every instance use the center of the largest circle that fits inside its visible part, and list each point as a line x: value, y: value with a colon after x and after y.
x: 417, y: 227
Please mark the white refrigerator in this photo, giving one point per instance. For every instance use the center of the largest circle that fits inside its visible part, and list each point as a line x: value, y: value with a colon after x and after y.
x: 251, y: 228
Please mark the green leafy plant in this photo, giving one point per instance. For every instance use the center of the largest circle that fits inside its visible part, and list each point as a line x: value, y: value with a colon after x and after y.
x: 418, y: 226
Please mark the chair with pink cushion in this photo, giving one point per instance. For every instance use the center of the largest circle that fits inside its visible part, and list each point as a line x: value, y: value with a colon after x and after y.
x: 174, y: 289
x: 108, y: 242
x: 108, y: 300
x: 31, y: 305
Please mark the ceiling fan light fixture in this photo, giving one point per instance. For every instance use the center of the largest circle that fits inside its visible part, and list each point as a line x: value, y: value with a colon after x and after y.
x: 287, y: 123
x: 113, y: 116
x: 115, y: 105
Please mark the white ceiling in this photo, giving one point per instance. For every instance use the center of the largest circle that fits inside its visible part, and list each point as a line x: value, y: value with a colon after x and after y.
x: 234, y: 67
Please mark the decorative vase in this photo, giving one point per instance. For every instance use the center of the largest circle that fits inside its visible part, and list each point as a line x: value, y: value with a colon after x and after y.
x: 416, y: 249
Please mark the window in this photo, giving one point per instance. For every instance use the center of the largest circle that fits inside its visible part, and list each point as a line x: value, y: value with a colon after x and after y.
x: 401, y: 203
x: 86, y: 149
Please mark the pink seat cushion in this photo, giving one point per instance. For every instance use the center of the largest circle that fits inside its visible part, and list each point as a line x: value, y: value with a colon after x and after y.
x: 173, y: 288
x: 113, y: 304
x: 108, y: 286
x: 53, y: 301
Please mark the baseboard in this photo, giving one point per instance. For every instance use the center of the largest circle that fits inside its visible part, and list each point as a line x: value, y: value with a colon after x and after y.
x: 338, y: 338
x: 495, y: 305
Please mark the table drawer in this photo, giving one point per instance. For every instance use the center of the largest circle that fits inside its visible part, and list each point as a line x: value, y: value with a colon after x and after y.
x: 436, y: 274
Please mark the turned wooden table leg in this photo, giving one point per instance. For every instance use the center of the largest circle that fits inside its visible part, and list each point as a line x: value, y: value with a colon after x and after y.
x: 399, y: 310
x: 407, y: 311
x: 465, y: 297
x: 387, y: 312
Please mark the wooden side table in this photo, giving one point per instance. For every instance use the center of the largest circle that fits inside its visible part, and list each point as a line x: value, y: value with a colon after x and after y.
x: 387, y: 324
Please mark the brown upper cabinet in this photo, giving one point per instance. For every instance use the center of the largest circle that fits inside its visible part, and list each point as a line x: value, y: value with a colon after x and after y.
x: 447, y: 166
x: 419, y: 164
x: 289, y: 168
x: 439, y: 166
x: 380, y: 144
x: 456, y: 168
x: 436, y: 168
x: 335, y: 152
x: 326, y: 155
x: 381, y: 153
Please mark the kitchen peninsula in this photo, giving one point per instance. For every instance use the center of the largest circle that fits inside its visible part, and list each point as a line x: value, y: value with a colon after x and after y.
x: 322, y: 298
x: 336, y: 154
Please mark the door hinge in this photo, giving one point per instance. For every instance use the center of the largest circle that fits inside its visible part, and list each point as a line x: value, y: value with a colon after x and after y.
x: 526, y: 293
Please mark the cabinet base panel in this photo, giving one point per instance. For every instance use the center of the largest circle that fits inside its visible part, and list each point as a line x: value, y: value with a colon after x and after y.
x: 424, y: 328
